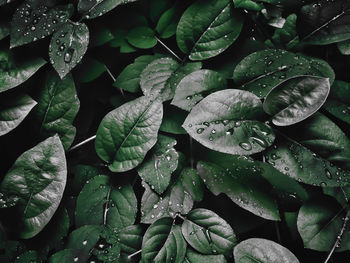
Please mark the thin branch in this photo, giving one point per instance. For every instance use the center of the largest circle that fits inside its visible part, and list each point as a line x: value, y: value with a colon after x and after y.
x: 114, y: 79
x: 82, y: 143
x: 135, y: 253
x: 106, y: 207
x: 167, y: 48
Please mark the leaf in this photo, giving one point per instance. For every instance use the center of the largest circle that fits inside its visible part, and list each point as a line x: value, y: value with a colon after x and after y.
x: 129, y: 78
x: 13, y: 74
x: 296, y: 99
x: 57, y: 107
x: 163, y: 242
x: 131, y: 238
x: 13, y: 111
x: 127, y: 133
x: 324, y: 23
x: 92, y: 9
x: 167, y: 23
x: 157, y: 170
x: 4, y: 30
x: 344, y: 47
x: 223, y: 122
x: 34, y: 20
x: 341, y: 194
x: 263, y: 70
x: 172, y: 120
x: 192, y: 184
x: 194, y: 257
x: 142, y: 37
x: 201, y: 82
x: 82, y: 174
x: 262, y: 250
x: 99, y: 203
x: 68, y: 46
x: 298, y: 162
x: 319, y: 222
x: 208, y: 233
x: 287, y: 35
x: 38, y: 179
x: 99, y: 35
x: 210, y: 33
x: 249, y: 5
x: 244, y: 187
x: 89, y: 70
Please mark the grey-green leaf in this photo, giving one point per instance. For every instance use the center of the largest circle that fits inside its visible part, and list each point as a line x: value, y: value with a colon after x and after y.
x: 296, y: 99
x: 38, y: 179
x: 127, y: 133
x: 223, y: 122
x: 262, y: 250
x: 13, y: 111
x: 194, y: 257
x: 163, y: 242
x: 57, y: 107
x: 195, y: 86
x: 68, y: 46
x: 13, y: 74
x: 263, y: 70
x: 207, y: 232
x: 208, y: 28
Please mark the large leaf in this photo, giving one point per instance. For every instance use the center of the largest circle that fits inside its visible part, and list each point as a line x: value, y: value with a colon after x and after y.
x: 35, y: 20
x: 38, y: 179
x: 163, y: 242
x: 207, y: 28
x: 296, y: 99
x: 325, y: 22
x: 57, y: 107
x: 13, y: 74
x: 13, y: 111
x: 99, y: 203
x: 244, y: 187
x: 194, y: 257
x: 201, y: 82
x: 167, y: 23
x: 127, y: 133
x: 262, y: 250
x: 223, y: 122
x: 207, y: 232
x: 95, y: 8
x: 263, y: 70
x: 130, y: 238
x: 68, y: 46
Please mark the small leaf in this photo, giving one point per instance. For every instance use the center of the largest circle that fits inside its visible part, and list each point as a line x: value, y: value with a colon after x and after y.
x: 35, y: 20
x: 142, y: 37
x: 222, y: 122
x: 262, y: 250
x: 344, y: 47
x: 192, y: 183
x: 68, y: 46
x: 194, y: 257
x: 296, y: 99
x: 208, y: 233
x: 249, y: 5
x: 167, y: 23
x: 38, y: 179
x: 89, y: 70
x: 287, y: 35
x: 163, y: 242
x: 57, y: 107
x: 13, y: 111
x: 172, y: 120
x: 127, y: 133
x: 13, y: 74
x: 209, y: 34
x: 201, y: 82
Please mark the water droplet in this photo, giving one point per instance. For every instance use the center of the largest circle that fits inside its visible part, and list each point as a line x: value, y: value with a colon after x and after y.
x: 211, y: 138
x: 200, y: 130
x: 68, y: 55
x: 237, y: 124
x: 206, y: 123
x: 225, y: 122
x: 84, y: 242
x: 213, y: 131
x: 58, y: 41
x: 76, y: 259
x: 230, y: 131
x: 32, y: 28
x: 168, y: 157
x: 245, y: 146
x: 323, y: 184
x: 328, y: 174
x: 188, y: 97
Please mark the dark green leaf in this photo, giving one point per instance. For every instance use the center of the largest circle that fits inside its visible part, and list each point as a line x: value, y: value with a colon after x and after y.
x: 99, y: 35
x: 89, y: 70
x: 127, y: 133
x: 192, y: 183
x: 287, y: 35
x: 341, y: 194
x: 249, y: 4
x: 38, y: 179
x: 142, y: 37
x: 172, y: 120
x: 167, y: 23
x: 131, y: 238
x: 4, y: 30
x: 207, y: 28
x: 82, y: 174
x: 27, y: 257
x: 344, y: 47
x: 194, y: 257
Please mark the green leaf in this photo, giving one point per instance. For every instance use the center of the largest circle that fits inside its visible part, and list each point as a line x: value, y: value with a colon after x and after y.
x: 244, y: 187
x: 89, y: 70
x: 13, y: 111
x: 68, y: 46
x: 27, y: 257
x: 95, y: 8
x: 207, y: 232
x: 296, y: 99
x: 35, y: 20
x: 157, y: 8
x: 210, y: 33
x: 13, y: 74
x: 341, y: 194
x: 249, y: 5
x: 262, y: 250
x: 157, y: 170
x: 263, y: 70
x: 82, y: 174
x: 324, y: 23
x: 287, y: 35
x: 201, y: 82
x: 194, y: 257
x: 163, y: 242
x: 223, y: 122
x: 4, y: 30
x: 127, y: 133
x: 167, y: 23
x: 142, y: 37
x: 99, y: 35
x: 319, y: 223
x: 131, y: 238
x: 38, y: 179
x: 172, y: 120
x: 99, y: 203
x: 57, y: 107
x: 192, y: 183
x: 344, y: 47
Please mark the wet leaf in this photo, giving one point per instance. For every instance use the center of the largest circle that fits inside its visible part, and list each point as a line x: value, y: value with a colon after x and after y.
x: 194, y: 257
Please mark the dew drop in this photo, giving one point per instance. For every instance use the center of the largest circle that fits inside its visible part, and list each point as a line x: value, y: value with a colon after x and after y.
x: 245, y: 146
x: 206, y: 123
x: 200, y: 130
x: 84, y: 242
x: 68, y: 55
x: 328, y: 174
x: 213, y: 131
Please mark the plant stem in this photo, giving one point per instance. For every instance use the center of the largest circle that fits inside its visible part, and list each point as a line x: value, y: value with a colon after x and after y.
x: 167, y: 48
x: 114, y: 79
x: 82, y: 143
x: 106, y: 207
x: 340, y: 235
x: 135, y: 253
